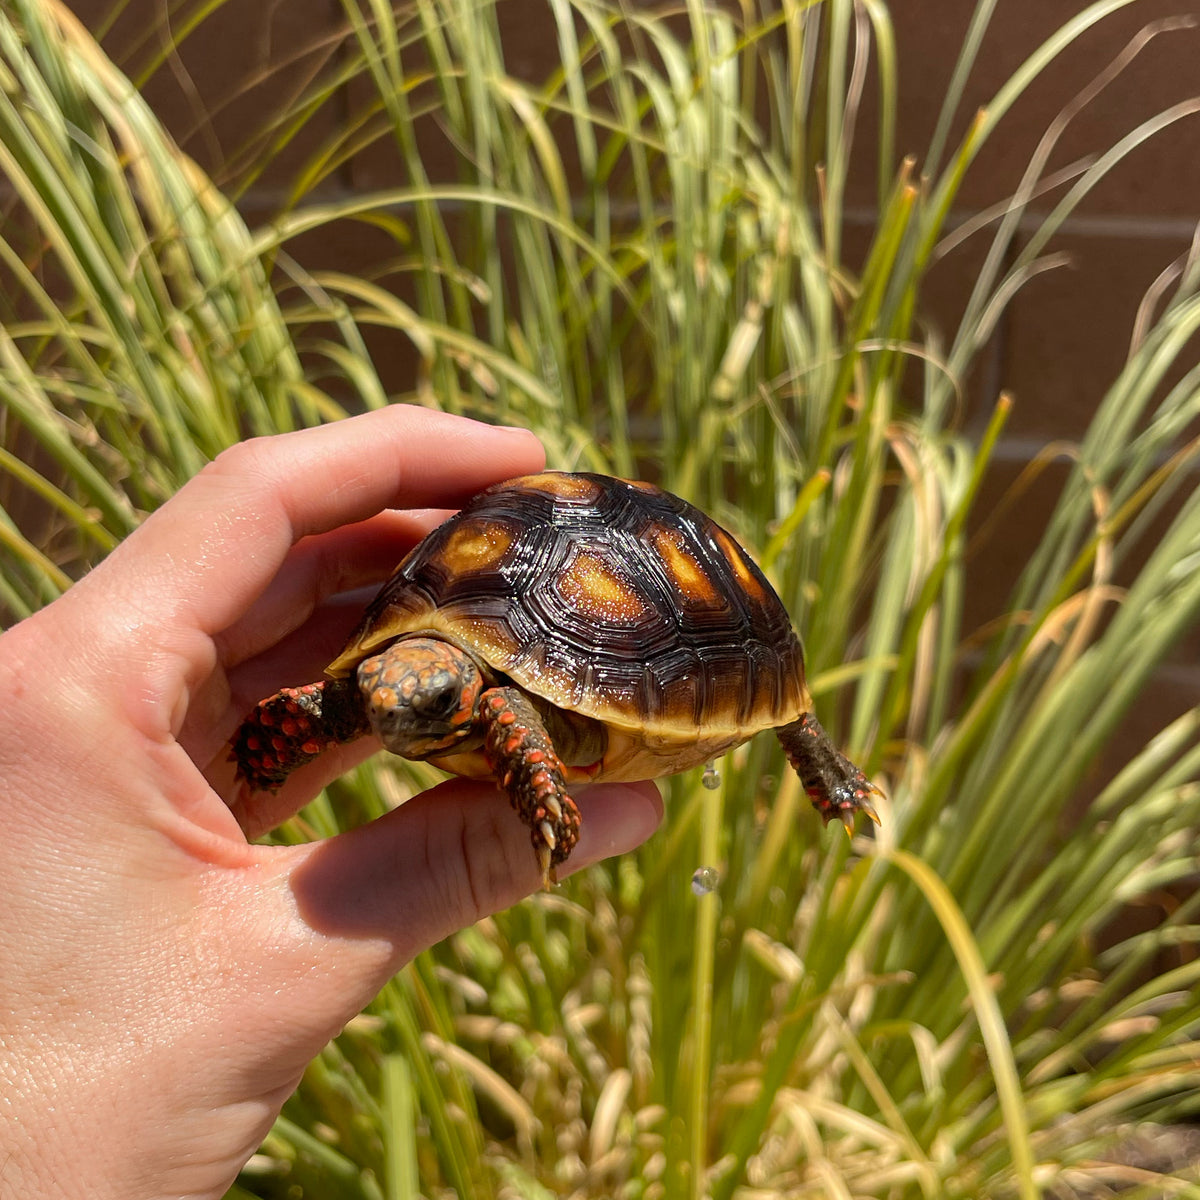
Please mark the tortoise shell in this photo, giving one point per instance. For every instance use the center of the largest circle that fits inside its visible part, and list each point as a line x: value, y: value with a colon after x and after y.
x: 609, y: 599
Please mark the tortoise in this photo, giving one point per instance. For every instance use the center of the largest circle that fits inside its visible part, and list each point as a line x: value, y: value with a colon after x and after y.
x: 561, y: 629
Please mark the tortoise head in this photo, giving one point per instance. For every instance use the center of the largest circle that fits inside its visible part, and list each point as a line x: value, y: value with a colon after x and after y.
x: 421, y: 695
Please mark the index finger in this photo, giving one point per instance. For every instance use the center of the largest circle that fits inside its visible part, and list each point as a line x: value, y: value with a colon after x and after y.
x: 212, y: 549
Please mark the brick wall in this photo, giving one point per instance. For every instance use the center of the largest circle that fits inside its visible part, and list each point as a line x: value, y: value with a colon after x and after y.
x: 1061, y: 342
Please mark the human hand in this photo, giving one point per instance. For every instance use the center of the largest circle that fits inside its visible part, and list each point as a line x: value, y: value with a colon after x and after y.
x: 164, y: 982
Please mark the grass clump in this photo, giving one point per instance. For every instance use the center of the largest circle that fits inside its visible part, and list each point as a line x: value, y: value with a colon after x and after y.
x: 643, y: 257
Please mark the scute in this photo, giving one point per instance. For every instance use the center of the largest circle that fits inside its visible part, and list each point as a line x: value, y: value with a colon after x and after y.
x: 610, y: 598
x: 593, y: 584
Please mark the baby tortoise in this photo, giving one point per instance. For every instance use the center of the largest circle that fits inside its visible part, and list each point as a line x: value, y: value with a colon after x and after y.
x: 561, y: 629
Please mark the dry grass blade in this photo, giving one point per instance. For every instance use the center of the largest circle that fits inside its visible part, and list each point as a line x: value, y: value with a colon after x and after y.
x: 642, y: 257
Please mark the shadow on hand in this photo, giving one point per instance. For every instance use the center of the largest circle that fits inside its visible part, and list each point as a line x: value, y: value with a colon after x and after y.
x: 439, y: 862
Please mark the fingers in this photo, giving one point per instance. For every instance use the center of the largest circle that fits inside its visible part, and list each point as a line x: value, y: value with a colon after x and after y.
x: 298, y: 625
x: 320, y: 566
x: 260, y: 812
x: 446, y: 859
x: 214, y: 548
x: 309, y: 936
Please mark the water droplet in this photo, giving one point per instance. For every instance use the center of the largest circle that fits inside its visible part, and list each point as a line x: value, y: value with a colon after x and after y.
x: 705, y: 880
x: 711, y: 777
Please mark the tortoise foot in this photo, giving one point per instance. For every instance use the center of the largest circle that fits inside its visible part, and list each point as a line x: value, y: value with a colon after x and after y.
x: 836, y: 787
x: 291, y: 728
x: 528, y: 769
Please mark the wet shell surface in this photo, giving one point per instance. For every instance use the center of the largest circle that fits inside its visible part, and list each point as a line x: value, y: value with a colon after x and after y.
x: 610, y: 599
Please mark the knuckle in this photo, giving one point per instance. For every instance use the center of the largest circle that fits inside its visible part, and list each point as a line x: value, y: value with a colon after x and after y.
x: 241, y: 460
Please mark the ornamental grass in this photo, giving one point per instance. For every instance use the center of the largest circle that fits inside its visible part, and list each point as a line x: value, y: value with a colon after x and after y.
x: 643, y: 257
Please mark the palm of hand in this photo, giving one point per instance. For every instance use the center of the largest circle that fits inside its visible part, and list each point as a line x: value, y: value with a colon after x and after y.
x: 168, y: 980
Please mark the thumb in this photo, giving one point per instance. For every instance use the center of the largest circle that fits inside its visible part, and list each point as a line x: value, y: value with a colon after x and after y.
x: 440, y: 862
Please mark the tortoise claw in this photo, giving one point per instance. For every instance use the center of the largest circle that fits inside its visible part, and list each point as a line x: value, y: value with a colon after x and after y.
x: 522, y: 755
x: 544, y: 845
x: 867, y: 807
x: 545, y: 864
x: 835, y: 785
x: 860, y: 804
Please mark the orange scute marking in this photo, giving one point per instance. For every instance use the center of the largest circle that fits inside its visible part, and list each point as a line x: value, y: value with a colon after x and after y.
x: 643, y: 486
x: 683, y: 568
x: 592, y: 584
x: 564, y: 486
x: 476, y: 545
x: 736, y: 557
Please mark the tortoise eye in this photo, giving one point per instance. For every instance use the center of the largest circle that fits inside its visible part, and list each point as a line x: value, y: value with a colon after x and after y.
x: 443, y: 702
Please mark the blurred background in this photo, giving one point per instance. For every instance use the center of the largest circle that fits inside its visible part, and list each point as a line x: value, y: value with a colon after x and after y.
x: 1054, y: 348
x: 909, y: 302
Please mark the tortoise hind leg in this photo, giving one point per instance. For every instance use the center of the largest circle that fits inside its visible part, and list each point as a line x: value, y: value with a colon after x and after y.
x: 834, y: 784
x: 527, y: 767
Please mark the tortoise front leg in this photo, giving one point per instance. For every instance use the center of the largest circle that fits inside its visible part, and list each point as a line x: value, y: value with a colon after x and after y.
x: 834, y: 784
x: 520, y: 752
x: 292, y: 727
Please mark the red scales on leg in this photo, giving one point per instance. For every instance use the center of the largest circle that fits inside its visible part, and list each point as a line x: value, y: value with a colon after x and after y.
x: 293, y: 727
x: 520, y: 751
x: 615, y: 583
x: 425, y: 699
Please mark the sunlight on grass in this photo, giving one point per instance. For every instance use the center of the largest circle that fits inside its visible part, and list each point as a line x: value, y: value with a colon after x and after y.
x: 643, y: 258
